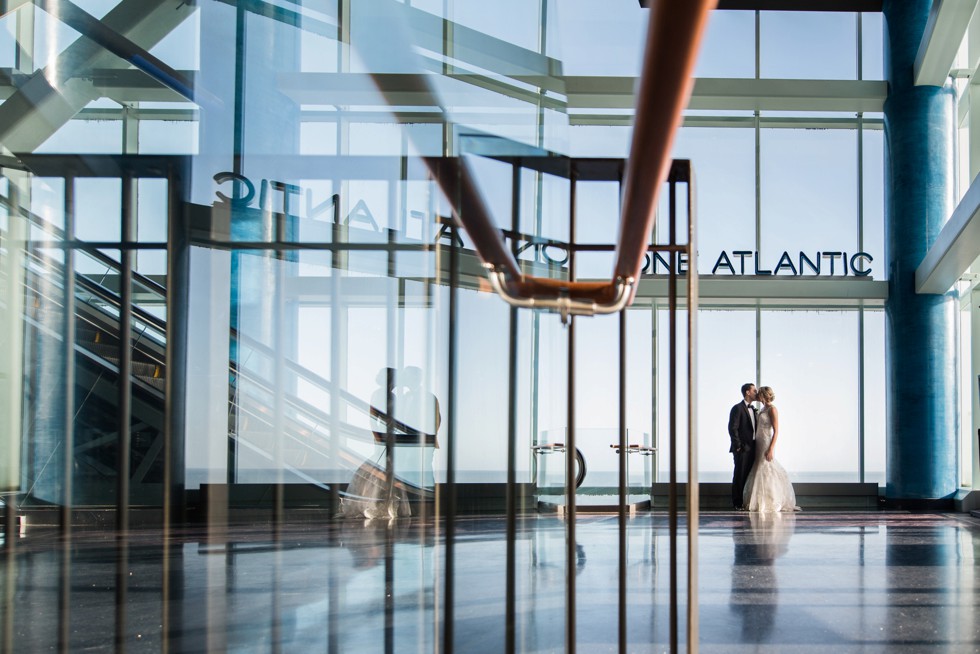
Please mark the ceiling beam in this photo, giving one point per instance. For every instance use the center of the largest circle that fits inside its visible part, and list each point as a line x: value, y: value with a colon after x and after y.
x: 945, y: 29
x: 583, y: 93
x: 734, y: 94
x: 49, y: 98
x: 955, y: 249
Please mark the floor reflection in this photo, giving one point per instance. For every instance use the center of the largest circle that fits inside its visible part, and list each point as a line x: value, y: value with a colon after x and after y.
x: 763, y: 538
x: 768, y: 582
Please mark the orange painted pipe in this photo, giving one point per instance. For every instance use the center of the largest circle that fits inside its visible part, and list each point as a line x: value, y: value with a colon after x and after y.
x: 673, y: 41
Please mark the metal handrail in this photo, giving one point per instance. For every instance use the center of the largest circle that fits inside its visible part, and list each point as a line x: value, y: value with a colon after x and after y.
x: 564, y: 304
x: 673, y: 41
x: 111, y: 297
x: 352, y: 400
x: 99, y: 256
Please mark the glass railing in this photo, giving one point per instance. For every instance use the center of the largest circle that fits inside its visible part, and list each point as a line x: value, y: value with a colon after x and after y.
x: 597, y: 466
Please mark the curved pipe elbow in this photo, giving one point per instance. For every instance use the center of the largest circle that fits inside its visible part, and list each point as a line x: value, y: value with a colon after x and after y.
x: 564, y: 305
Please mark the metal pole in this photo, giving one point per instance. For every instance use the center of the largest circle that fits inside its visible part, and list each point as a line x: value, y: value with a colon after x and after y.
x: 68, y: 336
x: 450, y: 595
x: 178, y: 291
x: 570, y: 458
x: 68, y: 350
x: 860, y: 235
x: 511, y: 583
x: 623, y: 482
x: 125, y: 354
x: 124, y: 409
x: 693, y: 489
x: 672, y: 403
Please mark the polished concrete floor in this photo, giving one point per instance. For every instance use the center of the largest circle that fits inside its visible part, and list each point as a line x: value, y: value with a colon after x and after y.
x: 808, y: 582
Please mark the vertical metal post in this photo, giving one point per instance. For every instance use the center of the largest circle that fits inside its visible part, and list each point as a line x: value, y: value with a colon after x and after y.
x: 860, y: 248
x: 570, y: 458
x: 391, y: 356
x: 276, y: 617
x: 178, y: 301
x: 333, y: 584
x: 241, y: 16
x: 672, y: 403
x: 449, y: 600
x: 389, y: 588
x: 860, y: 47
x: 336, y: 313
x: 654, y: 378
x: 68, y: 350
x: 238, y: 158
x: 178, y: 293
x: 693, y: 489
x: 124, y: 409
x: 390, y: 501
x: 758, y: 239
x: 861, y: 380
x: 623, y: 482
x: 279, y: 401
x: 534, y: 357
x: 511, y: 582
x: 125, y: 353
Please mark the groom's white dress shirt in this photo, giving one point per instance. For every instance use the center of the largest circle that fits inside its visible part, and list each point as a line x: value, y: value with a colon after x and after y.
x: 752, y: 416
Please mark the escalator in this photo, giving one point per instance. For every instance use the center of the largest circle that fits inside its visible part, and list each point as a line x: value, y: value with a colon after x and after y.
x: 96, y: 383
x: 271, y: 422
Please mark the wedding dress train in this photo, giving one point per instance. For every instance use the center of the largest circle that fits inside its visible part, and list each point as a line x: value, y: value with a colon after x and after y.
x: 768, y: 487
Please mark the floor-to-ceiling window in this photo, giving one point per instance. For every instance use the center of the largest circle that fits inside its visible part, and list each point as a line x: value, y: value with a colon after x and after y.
x: 311, y: 207
x: 341, y: 346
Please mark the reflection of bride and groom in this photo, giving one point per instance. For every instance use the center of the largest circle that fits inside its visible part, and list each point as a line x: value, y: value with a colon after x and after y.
x: 761, y: 539
x: 759, y: 482
x: 403, y: 413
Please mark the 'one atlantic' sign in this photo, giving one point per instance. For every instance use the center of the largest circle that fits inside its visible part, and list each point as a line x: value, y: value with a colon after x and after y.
x: 751, y: 262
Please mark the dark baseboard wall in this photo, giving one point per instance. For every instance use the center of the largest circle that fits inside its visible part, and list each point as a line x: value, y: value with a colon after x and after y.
x: 256, y: 503
x: 831, y: 496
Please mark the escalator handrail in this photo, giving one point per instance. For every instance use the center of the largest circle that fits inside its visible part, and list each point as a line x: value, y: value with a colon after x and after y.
x: 400, y: 428
x: 112, y: 297
x: 100, y: 256
x: 323, y: 383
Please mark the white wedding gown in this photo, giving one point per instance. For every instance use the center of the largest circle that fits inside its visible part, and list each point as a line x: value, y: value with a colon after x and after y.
x: 768, y: 487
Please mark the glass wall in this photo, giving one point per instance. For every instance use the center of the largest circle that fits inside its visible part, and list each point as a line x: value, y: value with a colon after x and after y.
x: 234, y: 284
x: 319, y: 235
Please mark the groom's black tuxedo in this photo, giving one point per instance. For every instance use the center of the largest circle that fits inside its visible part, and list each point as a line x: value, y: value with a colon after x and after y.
x: 742, y: 434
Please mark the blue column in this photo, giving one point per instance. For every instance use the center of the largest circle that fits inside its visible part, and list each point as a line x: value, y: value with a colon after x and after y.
x: 922, y: 394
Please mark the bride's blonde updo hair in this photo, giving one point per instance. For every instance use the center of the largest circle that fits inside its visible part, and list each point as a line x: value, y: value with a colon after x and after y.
x: 766, y: 394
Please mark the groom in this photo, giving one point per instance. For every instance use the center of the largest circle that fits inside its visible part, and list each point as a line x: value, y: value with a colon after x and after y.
x: 741, y: 430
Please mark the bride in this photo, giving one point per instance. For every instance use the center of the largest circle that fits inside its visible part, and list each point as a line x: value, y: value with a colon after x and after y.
x: 768, y: 487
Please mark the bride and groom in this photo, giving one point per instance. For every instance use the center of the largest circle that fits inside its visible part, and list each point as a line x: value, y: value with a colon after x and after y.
x: 759, y: 482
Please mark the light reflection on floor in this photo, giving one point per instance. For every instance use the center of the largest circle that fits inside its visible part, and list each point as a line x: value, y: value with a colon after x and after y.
x: 896, y: 582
